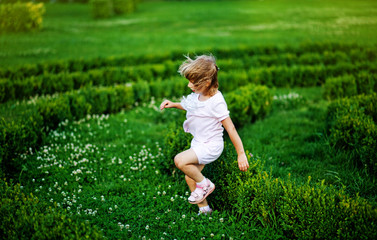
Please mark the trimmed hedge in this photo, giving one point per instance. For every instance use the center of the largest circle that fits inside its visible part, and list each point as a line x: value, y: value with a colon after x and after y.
x: 279, y: 76
x: 21, y: 17
x: 307, y: 211
x: 243, y: 57
x: 54, y: 83
x: 248, y: 103
x: 350, y: 85
x: 305, y: 75
x: 23, y: 216
x: 352, y: 128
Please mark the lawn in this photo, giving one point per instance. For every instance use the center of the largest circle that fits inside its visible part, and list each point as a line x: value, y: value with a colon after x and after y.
x: 190, y: 27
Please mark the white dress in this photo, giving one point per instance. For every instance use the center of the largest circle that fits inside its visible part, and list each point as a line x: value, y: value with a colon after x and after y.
x: 203, y: 121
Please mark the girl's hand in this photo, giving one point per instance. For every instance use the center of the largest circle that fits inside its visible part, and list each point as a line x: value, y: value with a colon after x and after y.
x: 243, y: 164
x: 166, y: 104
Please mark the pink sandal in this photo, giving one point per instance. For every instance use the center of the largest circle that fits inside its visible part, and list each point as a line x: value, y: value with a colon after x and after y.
x: 201, y: 193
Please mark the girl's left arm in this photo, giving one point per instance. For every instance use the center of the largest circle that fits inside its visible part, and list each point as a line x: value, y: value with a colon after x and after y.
x: 243, y: 164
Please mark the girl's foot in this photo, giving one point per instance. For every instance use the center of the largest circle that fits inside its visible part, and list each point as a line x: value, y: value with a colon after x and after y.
x: 205, y: 210
x: 201, y: 192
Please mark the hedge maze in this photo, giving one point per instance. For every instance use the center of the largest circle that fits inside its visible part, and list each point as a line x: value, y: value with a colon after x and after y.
x: 36, y: 98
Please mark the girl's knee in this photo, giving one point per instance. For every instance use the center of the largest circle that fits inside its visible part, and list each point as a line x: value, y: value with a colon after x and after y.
x: 178, y: 161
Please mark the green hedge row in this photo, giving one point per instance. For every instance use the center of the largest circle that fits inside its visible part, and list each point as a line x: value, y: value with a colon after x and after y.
x: 29, y: 122
x: 248, y: 103
x: 54, y: 83
x: 306, y: 211
x: 23, y: 216
x: 294, y: 76
x: 306, y: 75
x: 306, y: 53
x: 352, y: 127
x: 350, y: 85
x: 279, y: 76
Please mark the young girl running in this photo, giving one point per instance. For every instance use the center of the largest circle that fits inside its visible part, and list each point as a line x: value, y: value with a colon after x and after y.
x: 207, y: 113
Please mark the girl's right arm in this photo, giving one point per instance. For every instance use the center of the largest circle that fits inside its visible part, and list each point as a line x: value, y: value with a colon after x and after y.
x: 170, y: 104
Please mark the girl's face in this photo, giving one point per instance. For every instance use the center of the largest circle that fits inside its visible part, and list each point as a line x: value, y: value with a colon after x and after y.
x: 198, y: 90
x: 192, y: 87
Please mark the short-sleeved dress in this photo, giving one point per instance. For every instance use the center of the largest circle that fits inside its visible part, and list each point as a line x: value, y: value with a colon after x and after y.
x: 203, y: 121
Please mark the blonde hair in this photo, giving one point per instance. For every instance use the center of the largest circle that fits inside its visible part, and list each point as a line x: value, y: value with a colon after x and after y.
x: 201, y: 72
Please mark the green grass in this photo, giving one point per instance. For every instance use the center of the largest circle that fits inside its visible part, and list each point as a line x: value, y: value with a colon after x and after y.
x: 106, y: 170
x: 157, y: 27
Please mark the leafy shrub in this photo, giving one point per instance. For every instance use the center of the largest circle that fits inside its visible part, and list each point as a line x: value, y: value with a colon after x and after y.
x: 339, y: 87
x: 23, y: 216
x: 53, y: 111
x: 27, y: 130
x: 7, y: 91
x: 19, y: 16
x: 348, y: 85
x: 366, y: 82
x: 174, y: 87
x: 175, y: 141
x: 102, y: 8
x: 352, y: 128
x: 248, y: 103
x: 307, y: 211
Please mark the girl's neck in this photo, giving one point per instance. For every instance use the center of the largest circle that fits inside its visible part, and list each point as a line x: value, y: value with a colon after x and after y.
x: 203, y: 98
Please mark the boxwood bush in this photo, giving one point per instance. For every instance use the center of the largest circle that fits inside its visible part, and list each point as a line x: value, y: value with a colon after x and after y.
x: 339, y: 87
x: 307, y: 211
x: 349, y: 85
x: 351, y: 124
x: 248, y: 103
x: 20, y: 16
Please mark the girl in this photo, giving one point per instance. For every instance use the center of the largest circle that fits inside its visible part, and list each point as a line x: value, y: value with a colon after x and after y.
x: 207, y: 114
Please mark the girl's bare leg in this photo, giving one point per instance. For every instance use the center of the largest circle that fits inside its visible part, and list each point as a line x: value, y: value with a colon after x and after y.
x: 187, y: 162
x: 192, y: 185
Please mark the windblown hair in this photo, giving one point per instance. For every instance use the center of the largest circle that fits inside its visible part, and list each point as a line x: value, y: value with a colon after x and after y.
x: 202, y: 72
